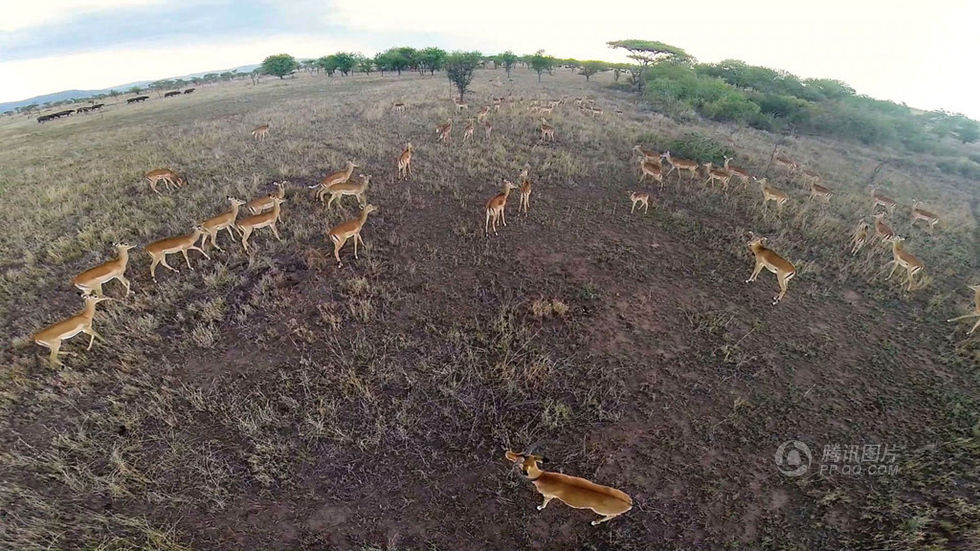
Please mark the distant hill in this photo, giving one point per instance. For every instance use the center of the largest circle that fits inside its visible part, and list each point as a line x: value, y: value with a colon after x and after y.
x: 79, y: 94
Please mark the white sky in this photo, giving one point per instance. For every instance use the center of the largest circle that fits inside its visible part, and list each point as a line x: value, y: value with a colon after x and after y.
x: 923, y: 54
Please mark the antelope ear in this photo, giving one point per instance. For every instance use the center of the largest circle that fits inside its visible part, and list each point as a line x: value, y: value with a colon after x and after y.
x: 511, y: 456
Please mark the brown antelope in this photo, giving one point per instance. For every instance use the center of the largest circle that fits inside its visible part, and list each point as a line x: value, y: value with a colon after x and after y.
x: 647, y: 155
x: 573, y: 491
x: 882, y: 230
x: 338, y: 191
x: 860, y: 237
x: 405, y: 162
x: 483, y: 113
x: 256, y: 221
x: 652, y: 168
x: 339, y: 177
x: 158, y: 250
x: 460, y: 105
x: 223, y: 221
x: 766, y: 258
x: 817, y: 191
x: 398, y: 107
x: 883, y: 200
x: 900, y: 257
x: 91, y: 281
x: 495, y: 208
x: 641, y: 199
x: 340, y: 233
x: 525, y: 190
x: 547, y: 131
x: 264, y: 203
x: 785, y: 163
x: 678, y: 164
x: 52, y: 336
x: 976, y: 309
x: 719, y: 174
x: 809, y: 175
x: 921, y: 214
x: 445, y: 131
x: 467, y: 130
x: 488, y: 127
x: 737, y: 172
x: 260, y: 132
x: 770, y: 193
x: 164, y: 175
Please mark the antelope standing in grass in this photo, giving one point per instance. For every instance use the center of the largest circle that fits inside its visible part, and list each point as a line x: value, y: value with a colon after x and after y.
x: 547, y: 131
x: 405, y: 162
x: 256, y: 221
x: 639, y: 199
x: 164, y: 175
x: 860, y: 237
x: 488, y: 127
x: 495, y: 208
x: 571, y: 490
x: 223, y: 221
x: 737, y: 172
x: 883, y: 200
x: 770, y: 193
x: 333, y: 178
x: 652, y: 168
x: 264, y: 203
x: 766, y: 258
x: 52, y: 336
x: 903, y: 258
x: 158, y: 250
x: 445, y: 131
x: 680, y: 165
x: 785, y: 163
x: 817, y: 191
x: 882, y: 230
x: 460, y: 105
x: 525, y: 190
x: 398, y: 107
x: 716, y: 174
x: 976, y: 309
x: 467, y: 130
x: 929, y: 218
x: 809, y: 176
x: 338, y: 191
x: 647, y: 155
x: 483, y: 113
x: 340, y: 233
x: 260, y: 132
x: 91, y: 281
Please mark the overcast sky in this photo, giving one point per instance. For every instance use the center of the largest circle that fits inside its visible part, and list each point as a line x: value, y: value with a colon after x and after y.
x: 920, y: 53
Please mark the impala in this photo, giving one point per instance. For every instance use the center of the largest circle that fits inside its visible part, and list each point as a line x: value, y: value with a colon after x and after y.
x: 766, y: 258
x: 223, y: 221
x: 809, y: 175
x: 719, y: 174
x: 158, y: 250
x: 901, y: 257
x: 883, y: 200
x: 483, y: 113
x: 785, y: 163
x: 547, y: 131
x: 737, y: 172
x: 91, y: 280
x: 488, y: 127
x: 525, y: 190
x: 164, y: 175
x: 52, y: 336
x: 467, y: 130
x: 261, y: 220
x: 882, y: 230
x: 573, y: 491
x: 460, y: 105
x: 647, y: 155
x: 976, y: 309
x: 340, y: 233
x: 445, y: 131
x: 652, y: 168
x: 264, y: 203
x: 921, y: 214
x: 678, y: 164
x: 260, y: 132
x: 817, y: 191
x: 770, y: 193
x: 405, y: 162
x: 398, y: 107
x: 338, y: 177
x: 860, y: 237
x: 338, y: 191
x: 641, y: 199
x: 495, y: 208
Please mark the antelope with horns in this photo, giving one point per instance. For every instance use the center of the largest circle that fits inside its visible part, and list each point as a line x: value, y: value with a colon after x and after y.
x: 976, y: 309
x: 405, y: 162
x: 158, y: 250
x: 223, y: 221
x: 264, y: 203
x: 91, y: 281
x: 54, y: 335
x: 257, y: 221
x: 340, y: 233
x: 766, y: 258
x: 495, y: 208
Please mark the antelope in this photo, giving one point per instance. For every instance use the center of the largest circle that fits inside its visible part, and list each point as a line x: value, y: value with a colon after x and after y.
x: 264, y: 203
x: 787, y: 164
x: 158, y: 250
x: 488, y: 127
x: 809, y: 175
x: 223, y: 221
x: 652, y: 168
x: 398, y: 107
x: 921, y: 214
x: 445, y: 131
x: 91, y: 281
x: 460, y: 105
x: 737, y: 172
x: 483, y: 113
x: 678, y: 164
x: 467, y: 130
x: 333, y: 178
x: 338, y: 191
x: 879, y: 199
x: 495, y: 208
x: 340, y: 233
x: 770, y: 193
x: 859, y: 237
x: 976, y: 309
x: 52, y: 336
x: 642, y: 199
x: 525, y: 190
x: 573, y: 491
x: 261, y: 220
x: 902, y: 258
x: 596, y: 112
x: 647, y: 155
x: 718, y: 174
x: 164, y: 175
x: 547, y: 131
x: 405, y: 162
x: 818, y: 191
x: 766, y: 258
x: 260, y: 132
x: 882, y: 230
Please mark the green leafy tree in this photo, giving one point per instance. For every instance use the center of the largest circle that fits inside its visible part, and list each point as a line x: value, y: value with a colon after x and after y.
x: 135, y: 90
x: 431, y: 59
x: 382, y: 62
x: 401, y: 59
x: 541, y: 63
x: 460, y: 67
x: 364, y: 64
x: 279, y: 65
x: 345, y: 62
x: 328, y: 63
x: 648, y: 52
x: 589, y: 68
x: 508, y: 59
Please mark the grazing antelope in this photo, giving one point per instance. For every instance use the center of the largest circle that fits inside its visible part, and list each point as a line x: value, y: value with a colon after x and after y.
x: 719, y: 174
x: 495, y: 208
x: 817, y: 191
x: 91, y: 281
x: 340, y: 233
x: 883, y: 200
x: 52, y: 336
x: 467, y: 130
x: 223, y: 221
x: 158, y: 250
x: 652, y: 168
x: 770, y: 193
x: 338, y: 191
x: 339, y: 177
x: 766, y: 258
x: 573, y: 491
x: 260, y: 132
x: 261, y: 220
x: 445, y: 131
x: 164, y: 175
x: 976, y: 310
x: 678, y: 164
x: 488, y: 127
x: 737, y: 172
x: 921, y: 214
x: 547, y: 131
x: 900, y: 257
x: 860, y: 237
x: 483, y: 113
x: 398, y: 107
x: 641, y: 199
x: 405, y: 162
x: 882, y: 230
x: 264, y: 203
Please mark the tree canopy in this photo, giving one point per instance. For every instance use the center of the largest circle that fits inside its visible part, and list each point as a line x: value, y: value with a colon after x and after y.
x: 591, y: 67
x: 460, y: 67
x: 647, y: 52
x: 279, y: 65
x: 540, y: 63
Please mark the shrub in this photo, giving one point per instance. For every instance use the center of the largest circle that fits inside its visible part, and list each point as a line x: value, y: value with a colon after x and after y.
x: 697, y: 146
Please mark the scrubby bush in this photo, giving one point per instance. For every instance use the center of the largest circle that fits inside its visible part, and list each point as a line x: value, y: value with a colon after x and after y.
x: 697, y: 146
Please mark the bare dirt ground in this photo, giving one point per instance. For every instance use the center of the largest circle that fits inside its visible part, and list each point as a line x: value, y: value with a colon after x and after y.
x: 274, y: 401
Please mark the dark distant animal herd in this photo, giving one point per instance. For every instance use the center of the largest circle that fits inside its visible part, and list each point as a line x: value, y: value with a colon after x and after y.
x: 88, y: 108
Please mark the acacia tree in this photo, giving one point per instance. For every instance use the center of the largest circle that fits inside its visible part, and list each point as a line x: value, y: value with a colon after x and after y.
x: 431, y: 59
x: 589, y: 68
x: 460, y: 67
x: 364, y: 64
x: 648, y: 52
x: 508, y: 59
x: 541, y: 63
x: 279, y: 65
x: 345, y: 62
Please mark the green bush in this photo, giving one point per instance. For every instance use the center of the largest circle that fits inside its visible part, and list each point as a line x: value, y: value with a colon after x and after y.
x: 961, y: 166
x: 697, y: 146
x: 731, y: 107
